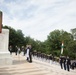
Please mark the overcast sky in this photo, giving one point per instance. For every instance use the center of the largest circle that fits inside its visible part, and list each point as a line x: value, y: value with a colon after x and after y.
x: 37, y: 18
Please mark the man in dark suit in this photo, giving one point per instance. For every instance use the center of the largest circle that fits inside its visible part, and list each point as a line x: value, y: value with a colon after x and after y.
x: 64, y: 62
x: 16, y: 50
x: 29, y: 53
x: 10, y: 49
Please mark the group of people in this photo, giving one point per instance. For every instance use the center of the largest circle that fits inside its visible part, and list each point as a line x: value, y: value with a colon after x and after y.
x: 43, y: 55
x: 65, y: 63
x: 15, y: 49
x: 26, y: 50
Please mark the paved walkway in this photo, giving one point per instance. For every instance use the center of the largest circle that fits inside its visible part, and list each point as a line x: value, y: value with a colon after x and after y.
x: 22, y: 67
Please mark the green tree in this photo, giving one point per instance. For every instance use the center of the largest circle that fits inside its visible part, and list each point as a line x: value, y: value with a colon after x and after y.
x: 20, y: 38
x: 30, y: 41
x: 15, y: 37
x: 54, y: 40
x: 71, y: 49
x: 12, y: 35
x: 65, y: 37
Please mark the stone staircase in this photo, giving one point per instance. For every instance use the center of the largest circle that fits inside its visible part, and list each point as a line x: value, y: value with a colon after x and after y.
x: 21, y: 67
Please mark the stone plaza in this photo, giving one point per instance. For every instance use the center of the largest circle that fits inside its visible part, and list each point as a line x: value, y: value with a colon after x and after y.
x: 21, y: 67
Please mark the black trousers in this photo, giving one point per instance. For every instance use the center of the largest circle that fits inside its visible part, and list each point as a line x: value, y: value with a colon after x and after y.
x: 64, y: 66
x: 30, y: 57
x: 61, y: 65
x: 68, y: 67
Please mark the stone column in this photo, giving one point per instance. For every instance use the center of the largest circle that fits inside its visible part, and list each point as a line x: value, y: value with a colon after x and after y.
x: 5, y: 58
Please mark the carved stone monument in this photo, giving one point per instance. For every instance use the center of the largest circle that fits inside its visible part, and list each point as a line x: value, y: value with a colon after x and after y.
x: 5, y: 58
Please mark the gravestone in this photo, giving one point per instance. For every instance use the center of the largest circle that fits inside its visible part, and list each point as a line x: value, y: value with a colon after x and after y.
x: 5, y: 58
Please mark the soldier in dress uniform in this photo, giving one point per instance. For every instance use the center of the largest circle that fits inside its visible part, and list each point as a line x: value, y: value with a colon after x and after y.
x: 68, y: 63
x: 61, y: 62
x: 64, y: 62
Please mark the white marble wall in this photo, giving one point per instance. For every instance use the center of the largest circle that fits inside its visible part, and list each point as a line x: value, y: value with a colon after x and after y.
x: 4, y: 40
x: 5, y: 58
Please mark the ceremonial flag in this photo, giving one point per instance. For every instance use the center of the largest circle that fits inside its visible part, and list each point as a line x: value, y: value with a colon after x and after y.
x: 62, y: 48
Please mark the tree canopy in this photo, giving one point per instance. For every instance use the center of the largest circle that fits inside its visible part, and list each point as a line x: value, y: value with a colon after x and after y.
x: 51, y: 45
